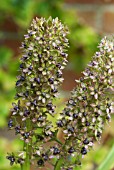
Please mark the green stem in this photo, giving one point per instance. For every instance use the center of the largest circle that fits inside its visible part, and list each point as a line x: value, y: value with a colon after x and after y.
x: 57, y: 140
x: 26, y: 165
x: 60, y: 161
x: 59, y: 164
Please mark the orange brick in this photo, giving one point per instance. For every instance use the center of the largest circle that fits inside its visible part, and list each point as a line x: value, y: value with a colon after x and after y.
x: 14, y: 45
x: 87, y: 17
x: 69, y: 79
x: 108, y: 22
x: 9, y: 25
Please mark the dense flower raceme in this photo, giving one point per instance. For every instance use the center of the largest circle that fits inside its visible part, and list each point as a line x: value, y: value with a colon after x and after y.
x: 83, y: 118
x: 43, y: 59
x: 89, y: 106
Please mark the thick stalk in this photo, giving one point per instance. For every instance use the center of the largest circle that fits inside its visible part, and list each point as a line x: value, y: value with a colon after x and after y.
x: 60, y: 161
x: 26, y: 165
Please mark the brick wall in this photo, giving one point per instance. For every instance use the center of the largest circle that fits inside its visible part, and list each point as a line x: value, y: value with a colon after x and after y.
x: 10, y: 35
x: 97, y: 13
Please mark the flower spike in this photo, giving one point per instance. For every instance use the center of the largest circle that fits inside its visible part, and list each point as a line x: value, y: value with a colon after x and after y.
x: 44, y: 56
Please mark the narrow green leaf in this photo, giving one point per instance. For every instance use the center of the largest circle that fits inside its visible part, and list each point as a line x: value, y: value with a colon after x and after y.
x: 59, y: 164
x: 108, y: 161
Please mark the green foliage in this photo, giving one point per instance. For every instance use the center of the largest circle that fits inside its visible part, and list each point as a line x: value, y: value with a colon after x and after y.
x: 7, y: 81
x: 8, y: 146
x: 5, y: 55
x: 83, y: 41
x: 49, y: 8
x: 108, y: 161
x: 21, y: 11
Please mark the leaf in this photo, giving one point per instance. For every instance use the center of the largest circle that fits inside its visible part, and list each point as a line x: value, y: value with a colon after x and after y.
x: 108, y: 161
x: 59, y: 164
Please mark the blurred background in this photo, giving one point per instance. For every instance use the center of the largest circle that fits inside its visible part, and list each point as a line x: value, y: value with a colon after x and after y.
x: 88, y: 22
